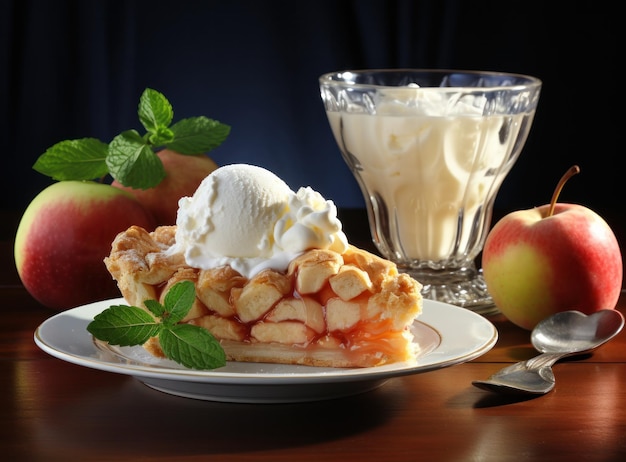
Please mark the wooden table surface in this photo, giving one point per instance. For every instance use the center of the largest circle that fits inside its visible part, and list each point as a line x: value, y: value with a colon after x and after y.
x: 53, y: 410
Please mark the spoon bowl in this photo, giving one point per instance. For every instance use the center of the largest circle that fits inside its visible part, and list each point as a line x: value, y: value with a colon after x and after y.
x: 574, y: 332
x: 566, y: 333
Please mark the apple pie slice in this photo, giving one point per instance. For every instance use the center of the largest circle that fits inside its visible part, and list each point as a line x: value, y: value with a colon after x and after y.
x: 327, y: 309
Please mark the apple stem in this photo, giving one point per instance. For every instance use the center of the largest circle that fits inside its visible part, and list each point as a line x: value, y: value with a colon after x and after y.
x: 573, y: 170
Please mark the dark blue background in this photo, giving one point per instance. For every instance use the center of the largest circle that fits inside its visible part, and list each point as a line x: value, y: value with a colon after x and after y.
x: 72, y: 69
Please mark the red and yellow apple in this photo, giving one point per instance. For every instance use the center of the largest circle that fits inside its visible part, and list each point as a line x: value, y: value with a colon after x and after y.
x: 552, y: 258
x: 63, y: 237
x: 184, y: 173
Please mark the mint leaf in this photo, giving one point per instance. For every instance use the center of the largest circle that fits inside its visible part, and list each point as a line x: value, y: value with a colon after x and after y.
x: 155, y: 307
x: 124, y: 325
x: 196, y: 135
x: 187, y: 344
x: 192, y: 346
x: 155, y: 111
x: 178, y: 302
x: 133, y: 163
x: 162, y: 136
x: 81, y: 159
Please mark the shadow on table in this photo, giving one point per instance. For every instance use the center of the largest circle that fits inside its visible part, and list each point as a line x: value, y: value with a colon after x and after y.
x: 142, y: 421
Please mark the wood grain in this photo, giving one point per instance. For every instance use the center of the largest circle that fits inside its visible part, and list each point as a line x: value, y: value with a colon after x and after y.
x: 53, y: 410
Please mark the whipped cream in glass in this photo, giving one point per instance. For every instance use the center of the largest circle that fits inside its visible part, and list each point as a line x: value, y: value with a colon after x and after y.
x: 430, y: 150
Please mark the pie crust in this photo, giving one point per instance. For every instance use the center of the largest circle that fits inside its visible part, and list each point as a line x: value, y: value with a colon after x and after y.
x: 327, y: 309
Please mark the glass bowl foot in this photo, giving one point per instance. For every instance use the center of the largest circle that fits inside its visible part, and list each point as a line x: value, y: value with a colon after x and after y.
x: 467, y: 292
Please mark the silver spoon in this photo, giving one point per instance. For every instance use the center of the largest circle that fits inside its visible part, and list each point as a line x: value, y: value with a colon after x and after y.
x: 564, y: 334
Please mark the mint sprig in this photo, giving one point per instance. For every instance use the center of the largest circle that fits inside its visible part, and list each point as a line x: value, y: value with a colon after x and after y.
x: 187, y: 344
x: 130, y: 158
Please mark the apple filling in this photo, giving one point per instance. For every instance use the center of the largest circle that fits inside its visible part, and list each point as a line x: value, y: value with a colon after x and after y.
x: 328, y: 309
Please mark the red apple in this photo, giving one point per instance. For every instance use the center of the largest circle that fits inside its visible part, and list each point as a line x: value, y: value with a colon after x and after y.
x: 184, y: 173
x: 552, y: 258
x: 64, y: 235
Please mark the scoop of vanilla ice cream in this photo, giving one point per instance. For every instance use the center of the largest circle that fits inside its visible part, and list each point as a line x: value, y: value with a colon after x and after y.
x: 246, y: 217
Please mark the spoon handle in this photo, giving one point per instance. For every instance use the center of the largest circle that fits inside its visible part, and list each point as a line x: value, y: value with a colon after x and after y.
x: 544, y: 360
x: 533, y: 364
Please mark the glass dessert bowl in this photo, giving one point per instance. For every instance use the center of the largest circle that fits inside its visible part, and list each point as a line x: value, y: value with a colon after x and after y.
x: 430, y: 150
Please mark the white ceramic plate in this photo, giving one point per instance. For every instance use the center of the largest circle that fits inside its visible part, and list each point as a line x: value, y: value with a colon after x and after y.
x: 446, y: 334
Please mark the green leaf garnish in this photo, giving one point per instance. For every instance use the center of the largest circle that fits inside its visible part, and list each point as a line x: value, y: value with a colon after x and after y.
x: 155, y: 308
x: 154, y: 110
x: 178, y: 302
x: 162, y: 136
x: 187, y: 344
x: 124, y: 325
x: 192, y: 346
x: 132, y: 162
x: 130, y: 157
x: 197, y: 134
x: 82, y: 159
